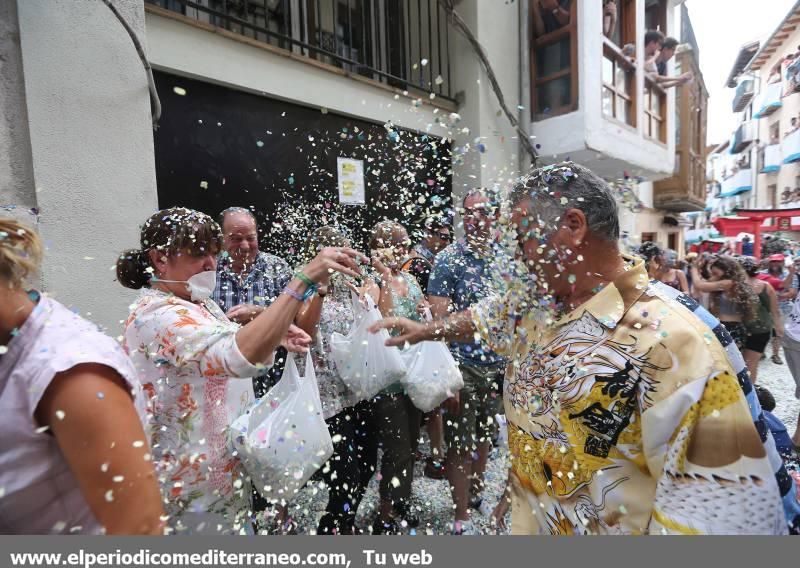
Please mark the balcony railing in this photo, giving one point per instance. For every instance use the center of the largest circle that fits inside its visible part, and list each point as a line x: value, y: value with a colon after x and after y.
x: 768, y: 100
x: 772, y: 159
x: 791, y: 147
x: 655, y: 111
x: 737, y: 183
x: 742, y: 137
x: 744, y: 94
x: 402, y: 43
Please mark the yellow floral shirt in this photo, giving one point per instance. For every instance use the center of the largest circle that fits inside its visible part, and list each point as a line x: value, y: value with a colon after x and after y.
x: 627, y: 417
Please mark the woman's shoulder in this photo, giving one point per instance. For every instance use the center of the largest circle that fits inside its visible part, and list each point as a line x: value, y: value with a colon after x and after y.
x: 63, y: 340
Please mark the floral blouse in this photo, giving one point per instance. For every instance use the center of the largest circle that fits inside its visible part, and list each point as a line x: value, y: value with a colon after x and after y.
x: 186, y: 355
x: 337, y: 317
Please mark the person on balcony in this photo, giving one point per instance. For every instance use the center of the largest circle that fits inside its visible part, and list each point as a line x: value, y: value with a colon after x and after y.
x: 794, y: 125
x: 654, y: 46
x: 550, y: 15
x: 609, y: 18
x: 667, y: 52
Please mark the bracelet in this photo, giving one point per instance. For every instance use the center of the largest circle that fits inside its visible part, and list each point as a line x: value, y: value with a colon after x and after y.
x: 305, y: 279
x: 298, y: 296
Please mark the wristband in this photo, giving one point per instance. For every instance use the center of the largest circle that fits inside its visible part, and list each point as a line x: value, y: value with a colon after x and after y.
x: 305, y: 279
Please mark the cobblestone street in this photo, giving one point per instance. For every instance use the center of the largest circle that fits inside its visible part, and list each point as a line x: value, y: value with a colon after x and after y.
x: 778, y: 379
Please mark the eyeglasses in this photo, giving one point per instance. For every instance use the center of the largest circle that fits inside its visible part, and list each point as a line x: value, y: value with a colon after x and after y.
x: 479, y: 211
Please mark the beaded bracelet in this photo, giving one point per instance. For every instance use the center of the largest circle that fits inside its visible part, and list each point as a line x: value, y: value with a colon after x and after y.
x: 297, y: 295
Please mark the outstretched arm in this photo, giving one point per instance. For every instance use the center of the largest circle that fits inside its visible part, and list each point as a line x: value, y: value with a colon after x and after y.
x: 457, y: 327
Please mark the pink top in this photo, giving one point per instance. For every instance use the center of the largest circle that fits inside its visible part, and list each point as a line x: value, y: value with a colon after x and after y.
x: 38, y: 492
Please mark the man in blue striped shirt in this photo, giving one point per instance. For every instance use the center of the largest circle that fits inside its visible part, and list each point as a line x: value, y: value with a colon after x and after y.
x: 247, y: 280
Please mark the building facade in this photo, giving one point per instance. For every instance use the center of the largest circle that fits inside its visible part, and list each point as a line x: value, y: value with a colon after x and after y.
x: 268, y: 104
x: 757, y: 181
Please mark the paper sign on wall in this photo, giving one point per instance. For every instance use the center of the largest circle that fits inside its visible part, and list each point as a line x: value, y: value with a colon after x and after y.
x: 351, y: 181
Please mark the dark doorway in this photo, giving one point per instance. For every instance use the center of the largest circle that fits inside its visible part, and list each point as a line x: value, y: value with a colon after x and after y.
x: 218, y: 147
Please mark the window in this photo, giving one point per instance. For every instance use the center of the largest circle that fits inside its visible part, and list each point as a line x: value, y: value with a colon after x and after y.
x: 648, y: 237
x: 655, y: 105
x: 619, y: 71
x: 619, y: 85
x: 672, y: 241
x: 772, y: 193
x: 775, y: 132
x: 554, y: 59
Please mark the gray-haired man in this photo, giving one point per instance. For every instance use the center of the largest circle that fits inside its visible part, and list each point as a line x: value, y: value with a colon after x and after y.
x: 629, y: 408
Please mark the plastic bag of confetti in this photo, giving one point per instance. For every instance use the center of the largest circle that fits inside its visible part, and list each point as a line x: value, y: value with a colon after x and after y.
x: 283, y: 439
x: 432, y: 375
x: 365, y: 364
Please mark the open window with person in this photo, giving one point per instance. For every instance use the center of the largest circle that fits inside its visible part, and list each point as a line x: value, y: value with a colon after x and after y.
x: 554, y: 58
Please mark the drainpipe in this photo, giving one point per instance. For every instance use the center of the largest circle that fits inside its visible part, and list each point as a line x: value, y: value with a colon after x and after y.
x: 523, y: 110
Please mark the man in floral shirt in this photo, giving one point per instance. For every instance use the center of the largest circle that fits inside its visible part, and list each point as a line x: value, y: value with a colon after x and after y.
x: 629, y: 408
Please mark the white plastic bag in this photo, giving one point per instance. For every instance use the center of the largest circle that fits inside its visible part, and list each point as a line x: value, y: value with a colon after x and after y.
x: 365, y: 364
x: 432, y: 375
x: 283, y: 439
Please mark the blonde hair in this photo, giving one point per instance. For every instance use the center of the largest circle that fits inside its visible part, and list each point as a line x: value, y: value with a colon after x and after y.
x: 387, y: 233
x: 20, y: 253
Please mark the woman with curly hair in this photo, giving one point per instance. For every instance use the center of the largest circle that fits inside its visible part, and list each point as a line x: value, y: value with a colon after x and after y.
x: 196, y: 363
x: 733, y: 300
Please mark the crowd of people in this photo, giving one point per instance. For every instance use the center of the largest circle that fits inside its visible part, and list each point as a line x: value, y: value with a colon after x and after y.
x: 754, y: 298
x: 627, y: 382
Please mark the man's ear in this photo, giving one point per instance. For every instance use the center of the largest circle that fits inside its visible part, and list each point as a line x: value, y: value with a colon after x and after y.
x: 575, y: 222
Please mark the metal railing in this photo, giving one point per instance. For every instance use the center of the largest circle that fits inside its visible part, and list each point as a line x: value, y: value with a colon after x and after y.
x: 402, y: 43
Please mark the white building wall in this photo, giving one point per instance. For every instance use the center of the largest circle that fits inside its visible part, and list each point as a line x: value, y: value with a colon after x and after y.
x: 789, y: 174
x: 91, y: 146
x: 16, y: 169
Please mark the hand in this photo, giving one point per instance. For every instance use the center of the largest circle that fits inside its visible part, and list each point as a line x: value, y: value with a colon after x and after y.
x: 453, y: 404
x: 330, y: 260
x: 411, y: 332
x: 296, y: 340
x: 424, y: 308
x: 244, y: 313
x: 498, y: 517
x: 383, y: 271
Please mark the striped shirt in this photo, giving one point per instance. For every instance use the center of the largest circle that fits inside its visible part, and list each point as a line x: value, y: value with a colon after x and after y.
x: 261, y: 286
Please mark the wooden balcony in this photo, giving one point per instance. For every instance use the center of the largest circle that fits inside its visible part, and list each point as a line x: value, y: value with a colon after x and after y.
x: 686, y: 190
